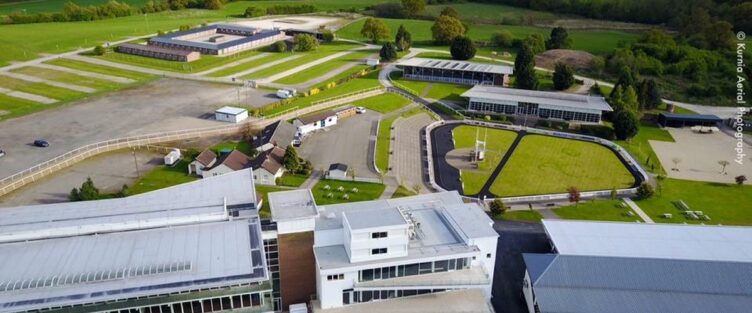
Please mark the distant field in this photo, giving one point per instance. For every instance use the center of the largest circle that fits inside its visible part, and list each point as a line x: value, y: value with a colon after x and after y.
x: 65, y: 77
x: 597, y: 42
x: 250, y: 64
x: 490, y: 13
x: 41, y: 89
x: 543, y: 165
x: 94, y: 68
x: 323, y: 51
x: 11, y: 107
x: 324, y: 68
x: 39, y: 6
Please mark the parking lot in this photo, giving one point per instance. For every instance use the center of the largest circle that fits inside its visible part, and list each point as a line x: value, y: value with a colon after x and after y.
x: 161, y: 105
x: 347, y: 143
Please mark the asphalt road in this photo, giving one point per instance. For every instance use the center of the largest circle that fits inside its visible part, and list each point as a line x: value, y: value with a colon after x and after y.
x: 346, y: 142
x: 447, y: 176
x: 162, y: 105
x: 515, y: 238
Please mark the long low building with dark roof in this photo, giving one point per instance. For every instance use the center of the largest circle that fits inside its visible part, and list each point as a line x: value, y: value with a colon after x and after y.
x: 219, y: 39
x: 456, y: 72
x: 538, y: 104
x: 159, y: 52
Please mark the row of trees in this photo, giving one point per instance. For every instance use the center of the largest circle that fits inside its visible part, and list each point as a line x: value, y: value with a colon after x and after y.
x: 254, y: 11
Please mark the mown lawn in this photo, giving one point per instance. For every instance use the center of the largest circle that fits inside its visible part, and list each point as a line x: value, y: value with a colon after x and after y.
x: 403, y: 191
x: 242, y: 146
x: 596, y: 42
x: 598, y: 210
x: 725, y: 203
x: 41, y: 89
x: 520, y: 215
x: 303, y: 76
x: 543, y: 165
x: 292, y: 180
x: 366, y: 191
x: 272, y: 57
x: 11, y: 107
x: 322, y: 51
x: 65, y: 77
x: 497, y: 144
x: 162, y: 177
x: 101, y: 69
x: 264, y: 190
x: 640, y: 148
x: 383, y: 103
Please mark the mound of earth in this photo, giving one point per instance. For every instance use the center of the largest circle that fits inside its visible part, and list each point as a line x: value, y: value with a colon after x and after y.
x: 578, y: 60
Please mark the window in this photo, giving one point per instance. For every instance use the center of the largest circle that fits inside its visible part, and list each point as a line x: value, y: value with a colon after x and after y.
x: 377, y: 235
x: 335, y: 277
x: 378, y: 251
x: 488, y: 255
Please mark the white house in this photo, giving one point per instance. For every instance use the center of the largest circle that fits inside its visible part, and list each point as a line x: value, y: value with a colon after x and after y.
x: 233, y: 161
x: 231, y: 114
x: 267, y: 166
x: 310, y: 123
x: 337, y: 171
x: 204, y: 160
x: 371, y: 252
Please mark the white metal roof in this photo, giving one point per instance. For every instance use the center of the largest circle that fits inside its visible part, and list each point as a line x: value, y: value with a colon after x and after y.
x: 292, y: 204
x: 667, y: 241
x: 559, y: 99
x: 231, y: 110
x: 457, y: 65
x: 374, y: 217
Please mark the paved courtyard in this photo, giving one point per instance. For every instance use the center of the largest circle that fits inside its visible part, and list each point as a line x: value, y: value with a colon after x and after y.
x: 162, y: 105
x: 407, y: 160
x: 699, y: 155
x: 347, y: 143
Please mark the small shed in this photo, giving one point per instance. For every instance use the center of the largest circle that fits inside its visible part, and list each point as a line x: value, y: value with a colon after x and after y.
x: 683, y: 120
x: 172, y: 158
x: 337, y: 171
x: 231, y: 114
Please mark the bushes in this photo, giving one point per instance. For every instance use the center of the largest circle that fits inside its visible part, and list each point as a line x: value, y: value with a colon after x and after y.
x: 600, y: 131
x: 462, y: 48
x: 279, y: 46
x: 304, y: 42
x: 99, y: 50
x: 389, y: 10
x: 290, y: 9
x: 75, y: 13
x: 502, y: 39
x: 254, y: 12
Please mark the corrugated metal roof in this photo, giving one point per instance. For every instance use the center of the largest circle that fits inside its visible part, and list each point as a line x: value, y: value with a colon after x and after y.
x: 559, y: 99
x: 171, y: 38
x: 456, y: 65
x: 692, y: 117
x: 617, y: 284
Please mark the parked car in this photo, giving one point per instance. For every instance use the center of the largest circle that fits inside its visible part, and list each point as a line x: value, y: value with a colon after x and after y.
x: 2, y: 153
x: 41, y: 143
x: 360, y: 110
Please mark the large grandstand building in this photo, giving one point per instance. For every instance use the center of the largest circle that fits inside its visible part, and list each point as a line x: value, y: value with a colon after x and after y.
x: 456, y: 72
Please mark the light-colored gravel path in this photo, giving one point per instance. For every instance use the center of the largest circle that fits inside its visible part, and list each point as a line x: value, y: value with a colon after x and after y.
x: 406, y: 160
x: 33, y: 79
x: 231, y: 64
x: 267, y: 65
x: 639, y: 211
x: 27, y: 96
x: 111, y: 78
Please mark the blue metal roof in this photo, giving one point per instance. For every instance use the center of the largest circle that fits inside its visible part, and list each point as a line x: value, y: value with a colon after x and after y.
x: 615, y: 284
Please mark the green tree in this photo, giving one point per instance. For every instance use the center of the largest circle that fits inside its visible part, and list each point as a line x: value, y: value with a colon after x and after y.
x: 327, y: 35
x: 740, y: 179
x: 563, y: 76
x: 279, y: 46
x: 184, y: 27
x: 626, y: 124
x: 644, y: 191
x: 99, y: 50
x: 559, y: 39
x: 413, y: 7
x: 446, y: 28
x: 86, y: 192
x: 403, y: 39
x: 497, y: 207
x: 462, y: 48
x: 388, y: 52
x: 536, y: 43
x: 450, y: 11
x: 626, y: 79
x: 573, y: 195
x: 305, y: 42
x: 291, y: 160
x: 212, y: 4
x: 629, y: 99
x: 375, y: 30
x: 648, y: 95
x: 254, y: 12
x: 524, y: 69
x: 502, y: 38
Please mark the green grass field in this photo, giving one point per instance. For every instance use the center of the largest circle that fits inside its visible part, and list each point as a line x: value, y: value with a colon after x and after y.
x: 489, y: 13
x: 162, y: 177
x: 250, y: 64
x: 101, y: 69
x: 64, y: 77
x: 324, y: 68
x: 497, y: 144
x: 242, y: 146
x: 11, y: 107
x: 596, y: 42
x: 366, y: 191
x: 433, y: 90
x: 39, y: 6
x: 543, y: 165
x: 725, y: 203
x: 640, y: 148
x: 292, y: 180
x: 323, y: 51
x: 520, y: 215
x: 41, y: 89
x: 598, y: 210
x: 383, y: 103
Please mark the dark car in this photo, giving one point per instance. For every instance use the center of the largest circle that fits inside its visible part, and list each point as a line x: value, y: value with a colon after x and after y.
x: 2, y: 153
x: 41, y: 143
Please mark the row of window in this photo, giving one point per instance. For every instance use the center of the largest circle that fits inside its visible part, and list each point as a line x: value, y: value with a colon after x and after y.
x: 447, y: 73
x: 413, y: 269
x: 376, y: 251
x: 335, y: 277
x: 272, y: 261
x: 349, y: 296
x: 377, y: 235
x: 204, y: 305
x: 532, y: 109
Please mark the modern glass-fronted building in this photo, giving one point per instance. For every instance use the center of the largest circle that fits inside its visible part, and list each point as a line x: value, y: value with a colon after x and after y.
x: 456, y: 72
x: 539, y: 104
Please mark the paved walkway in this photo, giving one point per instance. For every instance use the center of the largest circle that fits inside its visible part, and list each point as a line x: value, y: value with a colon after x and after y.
x: 391, y: 186
x: 231, y: 64
x: 312, y: 180
x: 34, y: 79
x: 111, y: 78
x: 407, y: 158
x: 267, y: 65
x: 27, y: 96
x: 639, y: 211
